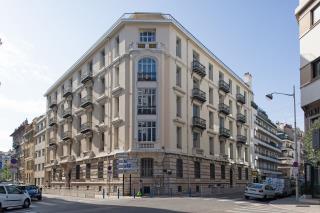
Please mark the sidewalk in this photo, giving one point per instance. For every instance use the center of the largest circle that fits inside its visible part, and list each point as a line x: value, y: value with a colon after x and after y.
x: 291, y: 205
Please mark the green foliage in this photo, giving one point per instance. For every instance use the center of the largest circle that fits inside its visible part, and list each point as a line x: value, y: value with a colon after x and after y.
x: 312, y: 156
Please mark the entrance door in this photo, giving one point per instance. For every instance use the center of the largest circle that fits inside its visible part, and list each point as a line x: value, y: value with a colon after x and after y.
x: 231, y: 177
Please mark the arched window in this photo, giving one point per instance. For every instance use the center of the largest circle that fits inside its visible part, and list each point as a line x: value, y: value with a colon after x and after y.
x: 147, y: 70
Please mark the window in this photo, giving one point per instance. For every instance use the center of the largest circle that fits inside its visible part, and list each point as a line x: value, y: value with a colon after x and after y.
x: 231, y: 150
x: 88, y: 168
x: 2, y: 190
x: 115, y: 168
x: 210, y: 72
x: 238, y: 89
x: 210, y: 95
x: 222, y: 147
x: 146, y: 167
x: 245, y: 96
x: 239, y: 152
x: 239, y: 173
x: 147, y: 70
x: 77, y: 172
x: 117, y: 43
x: 148, y: 36
x: 316, y: 67
x: 247, y: 173
x: 211, y: 145
x: 116, y: 76
x: 179, y: 107
x: 103, y: 113
x: 179, y: 139
x: 12, y: 190
x: 100, y: 169
x: 246, y: 154
x: 212, y: 171
x: 116, y: 138
x: 197, y: 169
x: 179, y: 168
x: 178, y: 47
x: 102, y: 142
x: 316, y: 14
x: 147, y: 131
x: 196, y: 140
x: 146, y: 101
x: 230, y: 85
x: 231, y: 127
x: 103, y: 55
x: 178, y: 76
x: 223, y: 172
x: 210, y: 120
x: 90, y: 66
x: 230, y: 107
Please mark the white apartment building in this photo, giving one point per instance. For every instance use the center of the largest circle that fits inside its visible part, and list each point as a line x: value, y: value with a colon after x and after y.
x: 150, y: 89
x: 40, y: 150
x: 266, y: 147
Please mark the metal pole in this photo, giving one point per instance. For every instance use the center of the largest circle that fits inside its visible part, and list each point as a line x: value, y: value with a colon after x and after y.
x: 296, y: 143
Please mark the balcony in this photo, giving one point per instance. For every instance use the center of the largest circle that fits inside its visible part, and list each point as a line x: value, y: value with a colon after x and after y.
x: 52, y: 121
x: 86, y: 127
x: 242, y: 139
x: 66, y: 113
x: 198, y: 122
x: 223, y: 108
x: 53, y: 103
x: 198, y: 68
x: 224, y: 132
x: 52, y: 141
x: 86, y: 101
x: 241, y: 99
x: 67, y: 135
x: 86, y: 76
x: 67, y: 91
x: 199, y: 95
x: 67, y: 159
x: 241, y: 118
x: 224, y: 86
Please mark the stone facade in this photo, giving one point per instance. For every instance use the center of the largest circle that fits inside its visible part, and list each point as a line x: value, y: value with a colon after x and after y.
x: 150, y: 89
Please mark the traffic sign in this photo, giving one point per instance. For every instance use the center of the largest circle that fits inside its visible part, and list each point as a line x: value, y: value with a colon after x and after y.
x: 295, y: 164
x: 13, y: 161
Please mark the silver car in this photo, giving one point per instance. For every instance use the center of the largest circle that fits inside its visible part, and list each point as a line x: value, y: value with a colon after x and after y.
x: 259, y: 190
x: 11, y: 196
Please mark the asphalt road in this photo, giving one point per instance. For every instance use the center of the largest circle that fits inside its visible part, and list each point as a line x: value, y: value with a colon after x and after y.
x: 231, y: 204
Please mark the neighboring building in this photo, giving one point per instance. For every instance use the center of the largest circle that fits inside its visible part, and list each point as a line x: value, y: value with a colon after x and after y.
x: 28, y: 153
x: 308, y: 17
x: 149, y: 88
x: 40, y: 150
x: 17, y: 139
x: 266, y: 147
x: 5, y: 158
x: 286, y: 134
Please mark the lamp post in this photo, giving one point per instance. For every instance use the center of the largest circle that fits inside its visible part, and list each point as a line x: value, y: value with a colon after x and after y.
x: 296, y: 163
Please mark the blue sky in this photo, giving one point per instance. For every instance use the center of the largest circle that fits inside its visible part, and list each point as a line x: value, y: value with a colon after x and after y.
x: 42, y: 39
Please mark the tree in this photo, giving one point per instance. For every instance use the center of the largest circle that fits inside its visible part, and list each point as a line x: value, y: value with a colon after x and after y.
x: 312, y: 155
x: 5, y: 174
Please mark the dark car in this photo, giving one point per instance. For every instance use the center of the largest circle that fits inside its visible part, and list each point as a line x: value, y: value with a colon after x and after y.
x: 33, y: 191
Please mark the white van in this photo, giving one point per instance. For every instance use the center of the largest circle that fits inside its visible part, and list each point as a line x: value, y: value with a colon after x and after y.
x: 11, y: 196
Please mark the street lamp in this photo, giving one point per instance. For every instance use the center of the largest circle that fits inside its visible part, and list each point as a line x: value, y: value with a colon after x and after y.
x: 295, y: 164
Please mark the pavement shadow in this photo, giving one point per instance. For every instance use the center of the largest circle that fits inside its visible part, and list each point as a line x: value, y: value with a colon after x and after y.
x: 58, y: 205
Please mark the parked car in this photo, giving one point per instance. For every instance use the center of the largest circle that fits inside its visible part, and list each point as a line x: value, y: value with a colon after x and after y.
x: 259, y: 190
x: 32, y: 190
x: 11, y: 196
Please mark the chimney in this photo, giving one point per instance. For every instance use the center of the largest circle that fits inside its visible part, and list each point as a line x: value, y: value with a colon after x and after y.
x: 247, y: 78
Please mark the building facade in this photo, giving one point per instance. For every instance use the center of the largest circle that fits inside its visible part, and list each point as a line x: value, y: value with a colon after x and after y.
x: 266, y: 147
x: 308, y: 18
x: 17, y: 141
x: 150, y: 89
x: 40, y: 150
x: 28, y: 144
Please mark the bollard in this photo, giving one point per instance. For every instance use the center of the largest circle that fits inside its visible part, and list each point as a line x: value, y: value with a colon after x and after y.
x: 171, y: 192
x: 103, y: 193
x: 189, y: 192
x: 134, y: 193
x: 118, y: 193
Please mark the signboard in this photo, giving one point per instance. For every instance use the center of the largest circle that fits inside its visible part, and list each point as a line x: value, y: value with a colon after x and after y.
x: 122, y: 155
x: 127, y: 165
